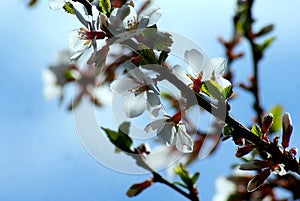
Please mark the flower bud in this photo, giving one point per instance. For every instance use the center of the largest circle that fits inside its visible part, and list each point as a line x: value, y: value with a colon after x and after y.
x: 267, y: 123
x: 287, y: 130
x: 242, y: 151
x: 293, y: 151
x: 144, y: 149
x: 256, y: 165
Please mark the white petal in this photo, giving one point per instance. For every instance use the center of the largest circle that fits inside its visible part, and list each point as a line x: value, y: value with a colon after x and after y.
x: 95, y: 13
x: 122, y: 86
x: 56, y: 4
x: 135, y: 105
x: 153, y: 99
x: 130, y: 18
x: 194, y: 61
x: 103, y: 93
x: 63, y: 57
x: 155, y: 125
x: 215, y: 67
x: 153, y: 104
x: 154, y: 13
x: 224, y: 188
x: 76, y: 56
x: 183, y: 141
x: 75, y: 43
x: 48, y: 76
x: 166, y: 134
x: 81, y: 13
x: 223, y: 82
x: 52, y: 91
x: 181, y: 74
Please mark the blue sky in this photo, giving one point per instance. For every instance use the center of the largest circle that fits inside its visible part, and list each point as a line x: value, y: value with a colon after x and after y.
x: 41, y: 155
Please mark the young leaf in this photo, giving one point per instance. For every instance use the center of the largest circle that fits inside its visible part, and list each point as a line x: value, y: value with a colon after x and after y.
x: 163, y: 41
x: 228, y: 130
x: 195, y: 177
x: 265, y: 30
x: 148, y: 56
x: 163, y: 56
x: 256, y: 130
x: 277, y: 112
x: 157, y: 40
x: 120, y: 139
x: 68, y: 7
x: 228, y: 91
x: 183, y: 173
x: 213, y: 90
x: 136, y: 189
x: 105, y: 6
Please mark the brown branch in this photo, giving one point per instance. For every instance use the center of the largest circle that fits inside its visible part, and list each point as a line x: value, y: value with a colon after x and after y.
x: 158, y: 178
x: 240, y: 131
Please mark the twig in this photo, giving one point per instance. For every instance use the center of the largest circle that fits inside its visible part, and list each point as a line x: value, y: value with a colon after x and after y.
x: 158, y: 178
x: 240, y: 131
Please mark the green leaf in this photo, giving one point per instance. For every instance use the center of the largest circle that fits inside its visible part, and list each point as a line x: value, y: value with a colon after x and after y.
x: 195, y: 177
x: 228, y: 130
x: 268, y: 42
x: 213, y: 90
x: 124, y: 128
x: 277, y: 112
x: 163, y: 56
x: 68, y: 7
x: 228, y: 91
x: 166, y: 96
x: 260, y: 48
x: 183, y: 173
x: 256, y: 130
x: 148, y: 56
x: 163, y: 41
x: 180, y: 184
x: 136, y: 189
x: 157, y: 40
x: 120, y: 139
x: 265, y: 30
x: 105, y: 6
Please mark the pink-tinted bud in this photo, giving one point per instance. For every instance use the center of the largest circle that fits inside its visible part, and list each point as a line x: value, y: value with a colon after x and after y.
x: 239, y: 141
x: 267, y: 123
x: 287, y: 129
x: 256, y: 165
x: 144, y: 149
x: 242, y: 151
x: 294, y: 151
x: 258, y: 180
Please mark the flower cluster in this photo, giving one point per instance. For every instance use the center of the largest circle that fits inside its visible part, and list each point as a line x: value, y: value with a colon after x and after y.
x: 104, y: 26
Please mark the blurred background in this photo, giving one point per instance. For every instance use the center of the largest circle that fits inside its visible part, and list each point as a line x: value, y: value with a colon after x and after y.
x: 41, y: 156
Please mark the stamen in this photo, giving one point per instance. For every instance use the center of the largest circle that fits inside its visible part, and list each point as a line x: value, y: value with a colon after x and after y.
x: 84, y: 34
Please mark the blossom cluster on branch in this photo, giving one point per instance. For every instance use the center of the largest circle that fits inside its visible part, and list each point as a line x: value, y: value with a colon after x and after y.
x: 120, y: 49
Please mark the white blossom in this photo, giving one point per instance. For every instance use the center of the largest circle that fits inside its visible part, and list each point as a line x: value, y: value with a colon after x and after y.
x: 54, y: 77
x: 51, y: 89
x: 142, y: 91
x: 57, y: 4
x: 83, y: 39
x: 125, y: 23
x: 172, y: 132
x: 198, y: 71
x: 224, y: 188
x: 279, y: 169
